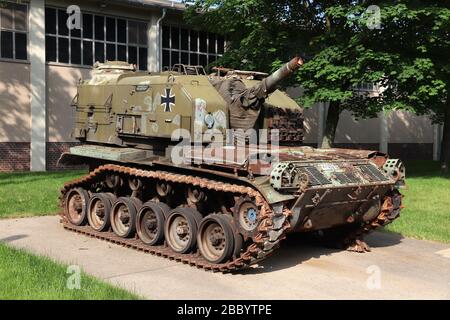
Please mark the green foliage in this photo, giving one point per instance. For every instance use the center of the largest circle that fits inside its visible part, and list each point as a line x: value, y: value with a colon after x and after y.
x: 416, y: 35
x: 407, y: 55
x: 258, y: 31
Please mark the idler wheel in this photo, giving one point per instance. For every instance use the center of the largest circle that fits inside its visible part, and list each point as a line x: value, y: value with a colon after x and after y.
x: 150, y: 222
x: 215, y: 239
x: 246, y: 215
x: 75, y: 207
x: 99, y: 211
x: 180, y: 229
x: 123, y: 216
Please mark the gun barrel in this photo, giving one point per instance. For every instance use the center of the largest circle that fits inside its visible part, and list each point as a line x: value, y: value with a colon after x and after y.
x: 285, y: 71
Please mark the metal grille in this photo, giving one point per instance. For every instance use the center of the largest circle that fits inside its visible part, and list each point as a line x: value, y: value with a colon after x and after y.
x: 316, y: 178
x: 347, y: 177
x: 372, y: 173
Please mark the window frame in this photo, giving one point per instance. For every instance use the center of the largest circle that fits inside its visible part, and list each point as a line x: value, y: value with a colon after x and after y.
x: 367, y: 87
x: 15, y: 31
x: 189, y: 52
x: 93, y: 40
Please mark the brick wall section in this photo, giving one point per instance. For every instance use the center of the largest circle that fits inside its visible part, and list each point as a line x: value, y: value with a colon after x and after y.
x: 54, y: 151
x: 14, y: 156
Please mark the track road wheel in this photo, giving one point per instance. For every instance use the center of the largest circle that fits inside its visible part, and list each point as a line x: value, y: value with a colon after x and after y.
x: 246, y: 217
x: 75, y: 207
x: 123, y: 217
x: 238, y: 240
x: 150, y: 222
x: 180, y: 229
x: 99, y: 210
x: 215, y: 239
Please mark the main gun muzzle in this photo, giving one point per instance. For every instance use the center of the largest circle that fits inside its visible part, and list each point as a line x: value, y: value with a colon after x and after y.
x: 285, y: 71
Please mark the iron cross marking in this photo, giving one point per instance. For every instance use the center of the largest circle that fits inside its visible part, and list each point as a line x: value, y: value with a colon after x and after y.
x: 168, y: 101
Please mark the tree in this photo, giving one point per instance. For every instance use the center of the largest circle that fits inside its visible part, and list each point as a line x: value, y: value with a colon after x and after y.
x: 264, y: 34
x: 258, y: 31
x: 406, y: 52
x: 416, y: 34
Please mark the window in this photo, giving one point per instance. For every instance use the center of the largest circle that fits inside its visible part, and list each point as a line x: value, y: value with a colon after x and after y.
x: 182, y: 45
x: 101, y: 38
x: 367, y: 87
x: 13, y: 31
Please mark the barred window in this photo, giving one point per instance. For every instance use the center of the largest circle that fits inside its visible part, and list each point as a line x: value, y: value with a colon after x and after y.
x: 186, y: 46
x: 13, y: 31
x: 101, y: 38
x: 367, y: 87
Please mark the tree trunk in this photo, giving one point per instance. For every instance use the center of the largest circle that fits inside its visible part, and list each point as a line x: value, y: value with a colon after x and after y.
x: 445, y: 147
x: 334, y: 110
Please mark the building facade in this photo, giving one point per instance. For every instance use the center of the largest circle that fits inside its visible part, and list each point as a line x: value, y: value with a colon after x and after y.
x: 43, y: 57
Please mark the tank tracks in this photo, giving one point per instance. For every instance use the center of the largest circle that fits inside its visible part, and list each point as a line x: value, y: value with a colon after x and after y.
x: 270, y: 231
x: 390, y: 210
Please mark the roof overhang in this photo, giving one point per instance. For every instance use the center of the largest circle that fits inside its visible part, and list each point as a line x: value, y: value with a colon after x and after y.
x: 151, y: 4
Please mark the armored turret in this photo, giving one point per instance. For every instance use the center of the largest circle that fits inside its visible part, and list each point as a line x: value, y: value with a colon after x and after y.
x: 245, y: 102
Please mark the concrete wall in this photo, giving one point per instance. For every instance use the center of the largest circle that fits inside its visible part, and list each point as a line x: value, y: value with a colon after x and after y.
x: 406, y: 127
x: 351, y: 130
x: 61, y: 88
x: 408, y: 135
x: 311, y: 116
x: 15, y: 99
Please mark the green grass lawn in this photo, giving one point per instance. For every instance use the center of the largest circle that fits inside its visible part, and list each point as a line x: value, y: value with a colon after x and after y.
x: 32, y: 194
x: 427, y: 203
x: 25, y: 276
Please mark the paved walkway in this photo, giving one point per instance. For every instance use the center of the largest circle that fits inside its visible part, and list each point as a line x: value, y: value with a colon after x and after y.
x: 407, y: 268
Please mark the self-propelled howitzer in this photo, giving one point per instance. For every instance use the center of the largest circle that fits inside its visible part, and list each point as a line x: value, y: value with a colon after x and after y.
x: 225, y: 207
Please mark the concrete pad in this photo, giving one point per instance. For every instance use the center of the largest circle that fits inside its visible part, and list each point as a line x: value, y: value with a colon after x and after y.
x: 397, y: 268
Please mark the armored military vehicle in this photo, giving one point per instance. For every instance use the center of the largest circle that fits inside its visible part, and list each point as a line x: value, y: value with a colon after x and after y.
x: 175, y: 172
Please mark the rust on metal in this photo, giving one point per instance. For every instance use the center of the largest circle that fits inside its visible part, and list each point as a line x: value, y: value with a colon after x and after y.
x: 257, y: 251
x: 263, y: 241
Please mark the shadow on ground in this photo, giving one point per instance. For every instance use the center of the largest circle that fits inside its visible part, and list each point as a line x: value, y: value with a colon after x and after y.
x: 14, y: 238
x: 298, y: 248
x: 383, y: 239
